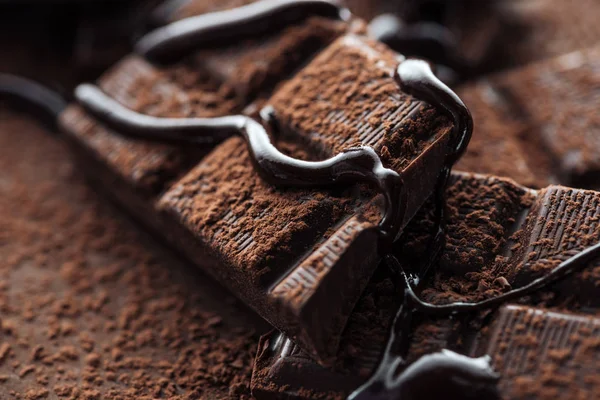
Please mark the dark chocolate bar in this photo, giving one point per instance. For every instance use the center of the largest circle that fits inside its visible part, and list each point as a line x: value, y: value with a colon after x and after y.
x: 530, y: 30
x: 540, y: 141
x: 499, y: 145
x: 476, y: 263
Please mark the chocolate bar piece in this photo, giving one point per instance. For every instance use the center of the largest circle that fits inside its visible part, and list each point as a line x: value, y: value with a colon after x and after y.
x: 561, y: 223
x: 484, y: 234
x: 285, y: 252
x: 260, y: 58
x: 545, y: 141
x: 566, y: 122
x: 186, y: 89
x: 144, y: 166
x: 530, y: 30
x: 542, y: 353
x: 499, y: 146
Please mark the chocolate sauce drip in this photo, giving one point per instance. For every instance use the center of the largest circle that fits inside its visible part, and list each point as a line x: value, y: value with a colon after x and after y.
x: 359, y: 164
x: 43, y: 102
x: 224, y: 27
x: 447, y: 370
x: 353, y: 165
x: 440, y: 375
x: 417, y: 78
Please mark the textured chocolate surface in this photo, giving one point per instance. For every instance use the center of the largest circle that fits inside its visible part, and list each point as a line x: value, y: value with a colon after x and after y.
x: 146, y: 166
x: 534, y: 30
x: 476, y: 263
x: 542, y: 354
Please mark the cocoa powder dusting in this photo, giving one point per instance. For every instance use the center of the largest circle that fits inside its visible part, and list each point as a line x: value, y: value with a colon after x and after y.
x: 91, y: 307
x: 253, y: 226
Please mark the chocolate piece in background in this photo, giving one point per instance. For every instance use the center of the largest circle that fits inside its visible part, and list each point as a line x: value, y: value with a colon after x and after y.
x: 498, y: 146
x: 539, y: 29
x: 248, y: 53
x: 94, y: 308
x: 481, y: 259
x: 459, y: 35
x: 288, y: 266
x: 496, y: 34
x: 547, y: 141
x: 542, y: 354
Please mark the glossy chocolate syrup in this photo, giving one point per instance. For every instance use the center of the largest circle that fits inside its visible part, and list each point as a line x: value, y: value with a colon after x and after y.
x: 447, y: 371
x: 359, y: 164
x: 44, y: 103
x: 219, y: 28
x: 417, y: 78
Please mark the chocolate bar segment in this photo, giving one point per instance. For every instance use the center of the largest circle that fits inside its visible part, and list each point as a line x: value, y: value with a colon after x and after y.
x: 566, y: 122
x: 562, y: 222
x: 193, y: 87
x: 543, y: 354
x: 347, y: 98
x: 286, y: 252
x: 497, y: 215
x: 541, y: 29
x: 541, y: 142
x: 283, y: 251
x: 497, y: 146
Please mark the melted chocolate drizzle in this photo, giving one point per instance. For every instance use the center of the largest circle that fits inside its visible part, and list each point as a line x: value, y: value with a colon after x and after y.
x: 454, y: 372
x: 45, y: 103
x: 224, y: 27
x: 564, y: 269
x: 417, y: 78
x: 451, y: 372
x: 359, y: 164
